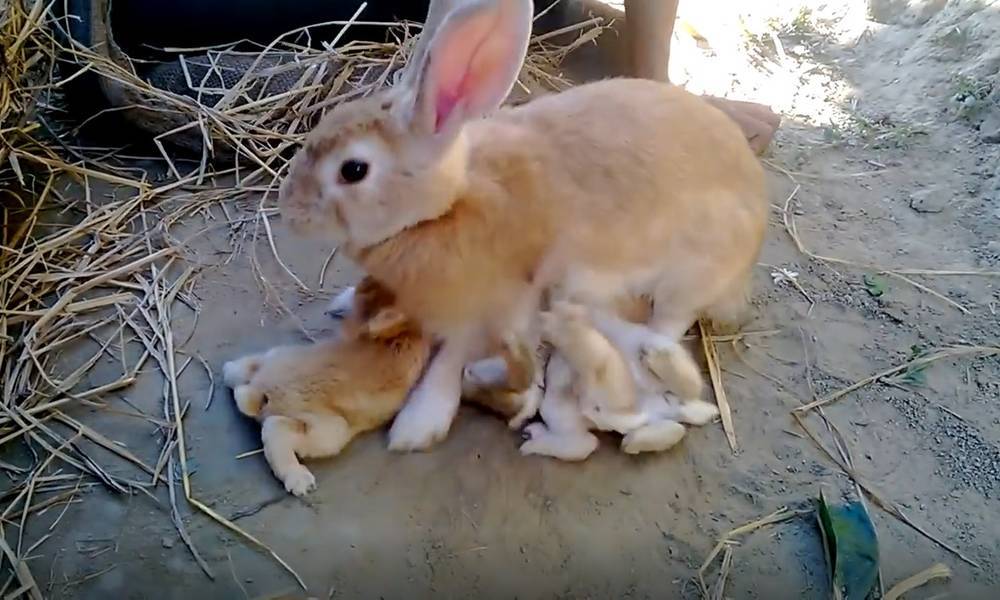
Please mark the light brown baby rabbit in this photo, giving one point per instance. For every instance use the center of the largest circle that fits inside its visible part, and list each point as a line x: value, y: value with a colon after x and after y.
x: 312, y: 400
x: 507, y: 384
x: 467, y: 213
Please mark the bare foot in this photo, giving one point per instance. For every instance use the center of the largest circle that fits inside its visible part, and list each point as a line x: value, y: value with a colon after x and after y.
x: 759, y: 123
x: 646, y: 54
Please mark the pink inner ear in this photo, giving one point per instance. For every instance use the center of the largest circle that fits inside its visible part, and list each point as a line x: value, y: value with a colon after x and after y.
x: 450, y: 94
x: 446, y: 102
x: 463, y: 63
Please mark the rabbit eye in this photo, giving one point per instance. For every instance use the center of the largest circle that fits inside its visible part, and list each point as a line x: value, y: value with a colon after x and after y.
x: 353, y: 171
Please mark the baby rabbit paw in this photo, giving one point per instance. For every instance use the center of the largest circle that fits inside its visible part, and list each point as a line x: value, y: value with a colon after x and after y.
x: 486, y: 373
x: 300, y: 481
x: 537, y: 440
x: 567, y: 446
x: 534, y: 431
x: 341, y: 304
x: 240, y: 371
x: 698, y: 412
x: 531, y: 400
x: 655, y: 437
x: 533, y: 435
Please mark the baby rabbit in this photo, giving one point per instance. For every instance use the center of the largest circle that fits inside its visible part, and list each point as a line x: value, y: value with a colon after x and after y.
x: 593, y: 386
x: 312, y: 400
x: 467, y: 213
x: 507, y: 384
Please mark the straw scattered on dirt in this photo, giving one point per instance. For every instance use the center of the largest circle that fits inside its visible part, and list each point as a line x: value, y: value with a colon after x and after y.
x: 95, y: 267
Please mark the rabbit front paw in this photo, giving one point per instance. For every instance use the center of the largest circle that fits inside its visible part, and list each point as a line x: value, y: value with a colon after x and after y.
x: 698, y: 412
x: 422, y: 423
x: 341, y: 304
x: 300, y: 481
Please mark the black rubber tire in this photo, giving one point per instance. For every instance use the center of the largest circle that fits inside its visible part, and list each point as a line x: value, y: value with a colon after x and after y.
x: 73, y: 24
x: 143, y: 26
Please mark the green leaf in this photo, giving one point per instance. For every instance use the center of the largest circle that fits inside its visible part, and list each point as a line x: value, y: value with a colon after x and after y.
x: 874, y: 285
x: 914, y: 374
x: 852, y: 548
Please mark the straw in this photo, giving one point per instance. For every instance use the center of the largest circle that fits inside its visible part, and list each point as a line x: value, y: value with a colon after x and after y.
x: 730, y: 540
x: 715, y: 372
x: 935, y: 571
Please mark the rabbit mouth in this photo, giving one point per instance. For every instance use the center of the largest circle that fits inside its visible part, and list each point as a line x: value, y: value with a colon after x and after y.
x: 306, y: 226
x: 306, y: 221
x: 302, y: 226
x: 339, y: 220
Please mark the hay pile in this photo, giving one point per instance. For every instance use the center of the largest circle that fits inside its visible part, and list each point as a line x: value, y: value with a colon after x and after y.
x: 89, y: 263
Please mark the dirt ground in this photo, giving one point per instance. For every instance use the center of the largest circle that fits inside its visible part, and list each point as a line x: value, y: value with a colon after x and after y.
x: 881, y: 163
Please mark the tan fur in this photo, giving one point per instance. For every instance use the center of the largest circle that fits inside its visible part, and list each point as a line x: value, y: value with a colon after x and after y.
x: 503, y: 393
x: 634, y: 308
x: 507, y: 380
x: 620, y: 185
x: 604, y: 384
x: 509, y: 384
x: 363, y: 380
x: 687, y: 192
x: 599, y: 357
x: 312, y: 400
x: 676, y: 369
x: 594, y: 385
x: 673, y: 366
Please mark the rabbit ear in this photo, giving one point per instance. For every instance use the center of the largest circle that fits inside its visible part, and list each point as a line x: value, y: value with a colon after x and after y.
x: 387, y: 324
x: 471, y: 62
x: 436, y: 13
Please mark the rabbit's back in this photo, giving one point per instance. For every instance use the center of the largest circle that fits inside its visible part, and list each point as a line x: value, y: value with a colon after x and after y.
x: 628, y: 148
x: 634, y: 174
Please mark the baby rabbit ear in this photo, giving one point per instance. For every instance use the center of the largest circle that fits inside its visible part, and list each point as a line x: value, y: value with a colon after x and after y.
x: 387, y: 324
x: 471, y: 63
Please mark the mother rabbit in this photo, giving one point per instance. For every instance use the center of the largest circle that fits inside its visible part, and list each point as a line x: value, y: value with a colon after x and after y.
x: 467, y: 212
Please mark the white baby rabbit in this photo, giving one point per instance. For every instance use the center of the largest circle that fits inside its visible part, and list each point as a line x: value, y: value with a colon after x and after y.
x: 592, y: 385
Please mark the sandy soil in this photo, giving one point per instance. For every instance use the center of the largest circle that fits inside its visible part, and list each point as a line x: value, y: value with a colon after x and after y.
x: 883, y: 164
